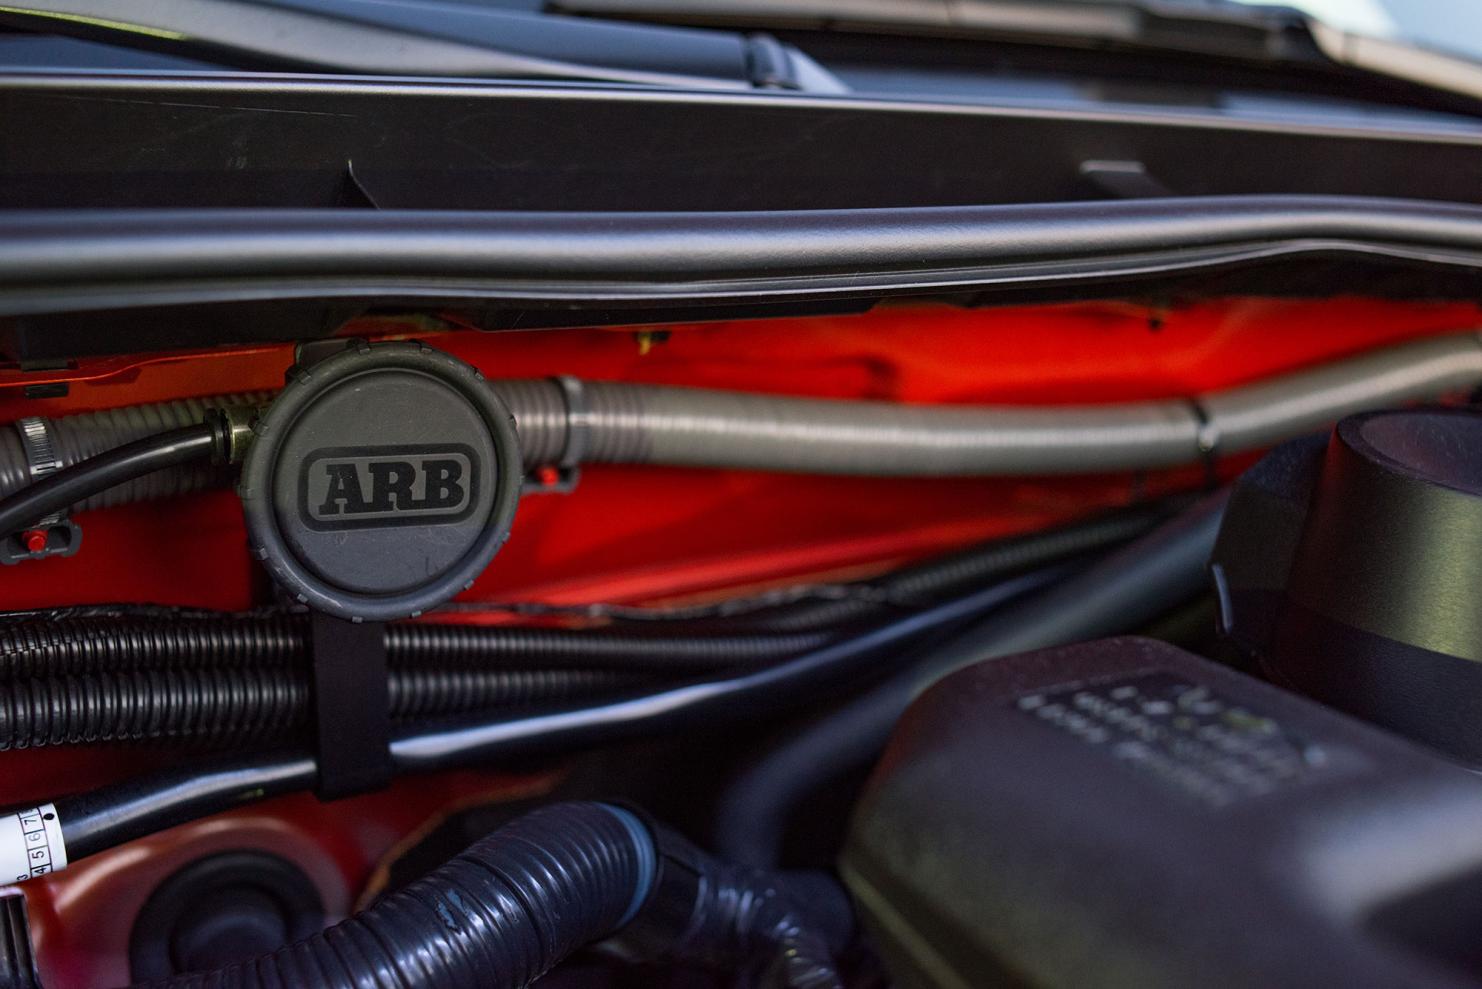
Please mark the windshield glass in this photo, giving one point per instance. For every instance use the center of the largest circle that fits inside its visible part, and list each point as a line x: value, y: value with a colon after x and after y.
x: 1453, y: 26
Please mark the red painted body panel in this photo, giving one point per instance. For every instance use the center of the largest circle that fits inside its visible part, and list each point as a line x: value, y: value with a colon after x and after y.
x: 634, y: 534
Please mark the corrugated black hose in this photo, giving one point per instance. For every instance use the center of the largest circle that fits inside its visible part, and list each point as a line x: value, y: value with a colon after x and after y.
x: 72, y: 678
x: 220, y: 707
x: 502, y: 913
x: 236, y: 680
x: 40, y: 646
x: 104, y: 817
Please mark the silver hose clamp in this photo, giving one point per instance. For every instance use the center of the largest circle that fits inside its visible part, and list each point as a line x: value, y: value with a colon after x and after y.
x: 578, y: 422
x: 574, y: 446
x: 41, y: 457
x: 1208, y: 437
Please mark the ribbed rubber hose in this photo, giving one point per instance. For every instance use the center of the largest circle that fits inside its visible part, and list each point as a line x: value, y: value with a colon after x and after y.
x: 651, y: 424
x: 514, y: 904
x: 1121, y: 592
x: 235, y: 707
x: 498, y: 916
x: 76, y: 438
x: 74, y: 646
x: 694, y: 427
x: 656, y: 651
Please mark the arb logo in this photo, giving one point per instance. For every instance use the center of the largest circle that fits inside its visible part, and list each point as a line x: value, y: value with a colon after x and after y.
x: 374, y: 486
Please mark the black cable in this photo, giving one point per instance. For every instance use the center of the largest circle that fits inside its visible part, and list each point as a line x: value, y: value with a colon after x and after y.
x: 915, y: 586
x: 110, y: 815
x: 70, y: 642
x: 909, y: 588
x: 747, y: 694
x: 1121, y: 592
x: 64, y: 645
x: 239, y: 680
x: 70, y: 485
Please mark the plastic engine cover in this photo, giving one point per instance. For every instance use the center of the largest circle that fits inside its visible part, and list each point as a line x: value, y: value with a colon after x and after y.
x: 1121, y: 813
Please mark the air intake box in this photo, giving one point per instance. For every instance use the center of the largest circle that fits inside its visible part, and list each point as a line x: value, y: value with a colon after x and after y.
x: 1121, y: 813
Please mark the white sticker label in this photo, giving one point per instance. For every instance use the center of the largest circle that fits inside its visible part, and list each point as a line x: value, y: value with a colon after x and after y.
x: 31, y: 844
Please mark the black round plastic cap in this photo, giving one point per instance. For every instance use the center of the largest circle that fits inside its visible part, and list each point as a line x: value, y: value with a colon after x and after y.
x: 382, y: 481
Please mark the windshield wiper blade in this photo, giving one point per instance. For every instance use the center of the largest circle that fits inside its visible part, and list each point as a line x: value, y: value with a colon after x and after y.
x: 396, y: 37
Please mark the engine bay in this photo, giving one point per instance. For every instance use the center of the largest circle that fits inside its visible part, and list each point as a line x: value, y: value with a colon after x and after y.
x: 618, y: 494
x: 434, y: 579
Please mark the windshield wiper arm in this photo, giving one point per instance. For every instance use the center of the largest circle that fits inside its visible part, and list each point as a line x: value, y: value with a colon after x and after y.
x: 1212, y: 27
x: 396, y: 37
x: 1226, y: 29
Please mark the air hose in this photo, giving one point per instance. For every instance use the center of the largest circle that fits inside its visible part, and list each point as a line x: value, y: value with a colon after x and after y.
x: 75, y: 438
x: 502, y: 913
x: 570, y: 422
x: 602, y: 422
x: 140, y: 458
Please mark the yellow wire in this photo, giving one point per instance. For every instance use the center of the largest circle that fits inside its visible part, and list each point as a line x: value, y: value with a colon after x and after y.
x: 57, y: 15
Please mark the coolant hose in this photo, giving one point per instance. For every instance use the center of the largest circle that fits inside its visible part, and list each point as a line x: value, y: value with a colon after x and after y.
x: 1121, y: 592
x: 514, y: 904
